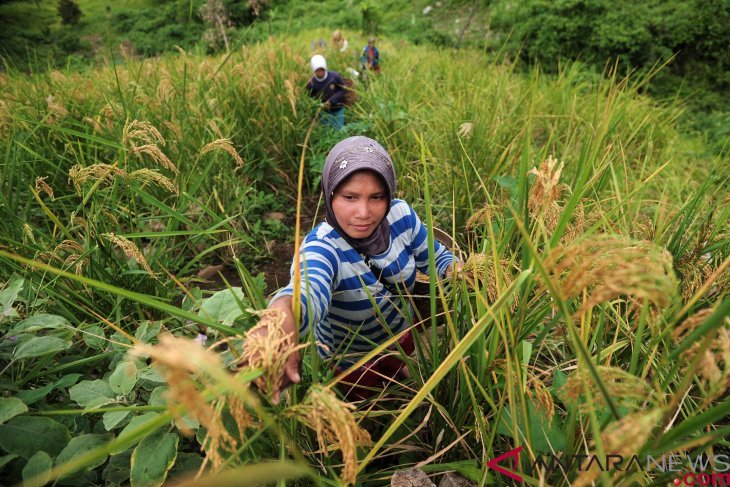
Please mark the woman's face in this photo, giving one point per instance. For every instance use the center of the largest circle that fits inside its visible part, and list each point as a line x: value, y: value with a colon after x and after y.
x: 360, y: 203
x: 319, y: 73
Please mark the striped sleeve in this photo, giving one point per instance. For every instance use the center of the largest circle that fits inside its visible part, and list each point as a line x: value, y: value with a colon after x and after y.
x: 319, y: 265
x: 419, y: 244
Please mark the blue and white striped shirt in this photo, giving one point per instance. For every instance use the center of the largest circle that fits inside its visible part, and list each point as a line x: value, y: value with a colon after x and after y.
x: 337, y: 284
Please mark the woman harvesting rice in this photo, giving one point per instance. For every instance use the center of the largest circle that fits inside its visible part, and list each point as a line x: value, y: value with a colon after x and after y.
x: 370, y: 246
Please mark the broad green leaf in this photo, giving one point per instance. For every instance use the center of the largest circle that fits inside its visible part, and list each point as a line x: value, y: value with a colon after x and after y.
x: 546, y: 433
x: 95, y: 337
x: 37, y: 346
x: 223, y: 306
x: 8, y: 296
x: 26, y: 435
x: 11, y: 407
x: 40, y: 321
x: 117, y: 471
x: 112, y: 419
x: 186, y: 465
x: 146, y: 331
x: 151, y: 374
x: 83, y: 444
x: 152, y: 459
x: 38, y: 464
x: 123, y: 378
x: 91, y: 390
x: 136, y: 422
x: 31, y: 396
x: 157, y: 397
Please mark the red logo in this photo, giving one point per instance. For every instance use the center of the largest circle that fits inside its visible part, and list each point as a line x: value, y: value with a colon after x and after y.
x: 514, y: 454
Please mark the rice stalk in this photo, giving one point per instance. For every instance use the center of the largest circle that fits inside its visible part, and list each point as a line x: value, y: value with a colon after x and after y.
x: 224, y: 145
x: 130, y: 250
x: 291, y: 96
x: 335, y: 426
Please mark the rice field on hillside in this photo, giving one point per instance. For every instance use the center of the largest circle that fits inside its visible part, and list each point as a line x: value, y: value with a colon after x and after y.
x: 592, y: 325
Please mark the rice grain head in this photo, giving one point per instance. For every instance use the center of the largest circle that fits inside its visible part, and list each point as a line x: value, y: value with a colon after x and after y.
x: 56, y: 110
x: 147, y: 176
x: 335, y: 426
x: 624, y: 437
x: 291, y: 96
x: 79, y: 175
x: 714, y: 365
x: 546, y: 191
x: 627, y: 389
x: 156, y: 154
x: 190, y: 370
x: 28, y: 233
x: 484, y: 270
x: 267, y: 347
x: 137, y: 133
x: 481, y: 217
x: 605, y: 268
x: 466, y: 130
x: 224, y: 145
x: 130, y: 250
x: 42, y: 186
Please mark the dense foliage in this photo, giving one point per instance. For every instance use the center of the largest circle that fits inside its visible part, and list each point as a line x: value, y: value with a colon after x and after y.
x: 596, y: 231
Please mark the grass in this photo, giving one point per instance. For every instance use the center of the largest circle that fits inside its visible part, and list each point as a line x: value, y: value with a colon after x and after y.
x: 600, y: 230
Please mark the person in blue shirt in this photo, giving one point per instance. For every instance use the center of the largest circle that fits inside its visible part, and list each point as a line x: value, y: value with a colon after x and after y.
x: 329, y: 87
x: 370, y: 58
x: 366, y: 253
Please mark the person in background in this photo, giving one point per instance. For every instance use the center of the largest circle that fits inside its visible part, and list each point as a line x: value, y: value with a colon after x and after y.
x: 329, y: 87
x: 355, y: 265
x: 338, y: 42
x: 370, y: 58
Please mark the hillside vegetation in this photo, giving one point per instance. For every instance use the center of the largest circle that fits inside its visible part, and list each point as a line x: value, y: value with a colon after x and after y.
x: 597, y: 234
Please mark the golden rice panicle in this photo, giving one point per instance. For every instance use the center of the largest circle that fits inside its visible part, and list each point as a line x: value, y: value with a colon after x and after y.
x: 267, y: 347
x: 481, y: 217
x: 291, y: 96
x: 79, y: 175
x: 714, y: 364
x: 56, y: 110
x: 28, y: 233
x: 147, y: 176
x: 541, y: 396
x: 546, y: 191
x: 627, y: 389
x: 165, y: 90
x: 484, y: 270
x: 95, y: 123
x: 466, y: 130
x: 130, y: 250
x: 605, y: 268
x: 156, y: 154
x: 42, y: 186
x: 224, y: 145
x: 335, y: 426
x: 189, y: 369
x: 624, y: 437
x: 137, y: 133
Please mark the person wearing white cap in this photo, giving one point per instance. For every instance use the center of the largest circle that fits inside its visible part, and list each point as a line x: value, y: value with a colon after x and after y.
x: 329, y: 87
